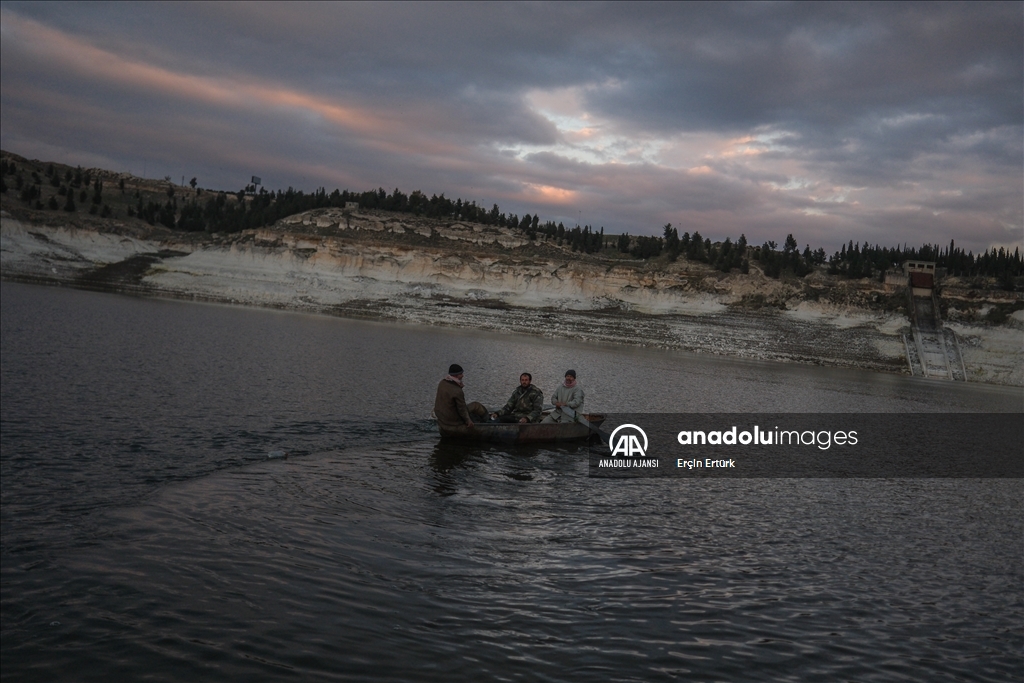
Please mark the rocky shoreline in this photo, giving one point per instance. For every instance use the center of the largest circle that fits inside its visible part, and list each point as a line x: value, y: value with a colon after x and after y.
x: 402, y: 269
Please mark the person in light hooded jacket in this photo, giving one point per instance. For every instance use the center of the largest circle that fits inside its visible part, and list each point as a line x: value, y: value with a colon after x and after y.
x: 568, y: 395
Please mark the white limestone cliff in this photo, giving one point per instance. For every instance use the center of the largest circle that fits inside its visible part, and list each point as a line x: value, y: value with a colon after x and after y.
x: 476, y: 276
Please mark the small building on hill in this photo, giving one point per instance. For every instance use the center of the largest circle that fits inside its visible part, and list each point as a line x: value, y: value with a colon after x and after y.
x: 922, y: 277
x: 919, y: 267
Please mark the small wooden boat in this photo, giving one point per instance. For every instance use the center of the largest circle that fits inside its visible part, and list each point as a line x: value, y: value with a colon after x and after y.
x: 531, y: 432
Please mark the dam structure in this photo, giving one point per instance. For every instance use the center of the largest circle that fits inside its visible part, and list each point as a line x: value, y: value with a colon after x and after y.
x: 932, y: 350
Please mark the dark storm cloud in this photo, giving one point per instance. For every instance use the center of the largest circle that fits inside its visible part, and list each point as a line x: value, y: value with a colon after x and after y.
x: 840, y: 120
x: 828, y: 64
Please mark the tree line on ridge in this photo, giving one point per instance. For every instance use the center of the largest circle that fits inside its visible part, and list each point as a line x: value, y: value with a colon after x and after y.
x: 249, y: 209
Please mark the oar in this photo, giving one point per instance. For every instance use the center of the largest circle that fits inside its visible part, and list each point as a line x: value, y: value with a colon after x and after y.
x: 582, y: 420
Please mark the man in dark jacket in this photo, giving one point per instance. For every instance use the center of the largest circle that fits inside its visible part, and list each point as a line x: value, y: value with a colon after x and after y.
x: 525, y: 405
x: 450, y: 402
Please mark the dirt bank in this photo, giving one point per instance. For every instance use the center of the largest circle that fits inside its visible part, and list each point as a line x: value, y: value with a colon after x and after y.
x: 407, y: 269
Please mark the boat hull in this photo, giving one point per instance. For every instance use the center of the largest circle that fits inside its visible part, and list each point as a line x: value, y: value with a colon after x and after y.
x: 514, y: 433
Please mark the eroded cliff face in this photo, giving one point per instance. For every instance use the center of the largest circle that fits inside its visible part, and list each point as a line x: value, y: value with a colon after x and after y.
x: 418, y: 270
x: 340, y: 255
x: 332, y: 269
x: 330, y: 256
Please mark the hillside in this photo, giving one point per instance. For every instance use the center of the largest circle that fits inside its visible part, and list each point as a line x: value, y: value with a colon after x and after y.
x: 401, y: 267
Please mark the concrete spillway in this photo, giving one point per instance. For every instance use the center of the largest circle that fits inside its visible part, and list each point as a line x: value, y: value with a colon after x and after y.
x: 935, y: 351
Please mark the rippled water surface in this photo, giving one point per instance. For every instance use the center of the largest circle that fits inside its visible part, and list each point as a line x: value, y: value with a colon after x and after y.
x: 146, y: 535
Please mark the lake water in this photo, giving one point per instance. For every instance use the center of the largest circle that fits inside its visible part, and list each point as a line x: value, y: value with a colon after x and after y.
x: 145, y: 535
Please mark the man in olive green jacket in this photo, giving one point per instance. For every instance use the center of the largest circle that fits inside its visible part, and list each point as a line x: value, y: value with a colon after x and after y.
x: 525, y: 405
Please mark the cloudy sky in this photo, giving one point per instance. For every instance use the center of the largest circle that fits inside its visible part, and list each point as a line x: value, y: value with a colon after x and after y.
x: 886, y: 123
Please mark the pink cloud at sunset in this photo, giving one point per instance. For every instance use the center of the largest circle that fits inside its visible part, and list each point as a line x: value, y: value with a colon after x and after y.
x: 634, y: 119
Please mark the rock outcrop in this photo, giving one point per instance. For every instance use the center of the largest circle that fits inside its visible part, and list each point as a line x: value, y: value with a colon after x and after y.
x: 397, y: 267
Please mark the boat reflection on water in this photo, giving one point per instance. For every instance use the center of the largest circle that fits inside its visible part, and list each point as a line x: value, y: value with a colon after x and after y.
x: 449, y: 454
